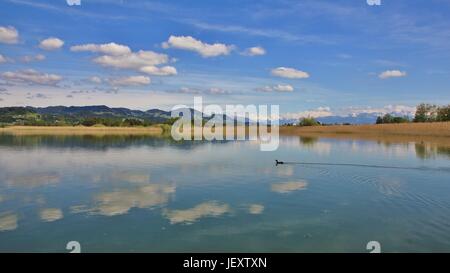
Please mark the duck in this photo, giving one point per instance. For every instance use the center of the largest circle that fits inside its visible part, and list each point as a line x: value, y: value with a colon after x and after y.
x: 278, y: 162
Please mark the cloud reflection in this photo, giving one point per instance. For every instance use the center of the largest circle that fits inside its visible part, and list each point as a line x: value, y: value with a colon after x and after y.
x: 8, y: 222
x: 121, y: 201
x: 33, y: 180
x: 255, y: 209
x: 50, y: 214
x: 189, y: 216
x: 287, y: 187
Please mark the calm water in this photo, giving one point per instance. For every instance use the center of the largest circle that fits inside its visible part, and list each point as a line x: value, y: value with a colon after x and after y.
x: 143, y: 194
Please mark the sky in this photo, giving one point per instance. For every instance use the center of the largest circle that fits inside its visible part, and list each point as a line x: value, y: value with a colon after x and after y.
x: 311, y: 57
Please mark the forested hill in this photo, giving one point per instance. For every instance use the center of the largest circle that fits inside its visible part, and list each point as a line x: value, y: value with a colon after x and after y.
x: 81, y: 115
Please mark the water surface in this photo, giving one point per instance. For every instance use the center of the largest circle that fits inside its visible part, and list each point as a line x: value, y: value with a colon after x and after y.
x: 149, y: 194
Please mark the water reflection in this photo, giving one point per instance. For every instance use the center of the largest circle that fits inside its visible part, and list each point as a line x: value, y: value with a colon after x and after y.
x: 189, y: 216
x: 33, y: 180
x: 8, y: 221
x: 423, y: 150
x: 96, y: 142
x: 255, y: 209
x: 121, y: 201
x: 51, y: 214
x: 141, y: 193
x: 428, y: 150
x: 286, y: 187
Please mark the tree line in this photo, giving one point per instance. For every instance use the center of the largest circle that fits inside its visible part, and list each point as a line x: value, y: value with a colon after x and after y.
x: 424, y: 113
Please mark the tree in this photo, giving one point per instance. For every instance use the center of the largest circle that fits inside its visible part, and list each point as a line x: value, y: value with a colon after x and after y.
x: 388, y: 118
x: 443, y: 113
x: 309, y: 121
x: 426, y: 113
x: 379, y: 120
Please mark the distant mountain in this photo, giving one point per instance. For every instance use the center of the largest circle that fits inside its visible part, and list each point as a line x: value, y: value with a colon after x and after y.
x: 76, y: 114
x: 72, y: 115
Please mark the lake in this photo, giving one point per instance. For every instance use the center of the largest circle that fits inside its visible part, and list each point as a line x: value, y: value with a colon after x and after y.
x: 150, y: 194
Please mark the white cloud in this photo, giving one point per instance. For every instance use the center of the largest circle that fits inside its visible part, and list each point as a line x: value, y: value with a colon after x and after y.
x: 254, y: 51
x: 28, y: 58
x: 392, y: 74
x: 31, y: 76
x: 2, y: 59
x: 291, y: 73
x: 135, y: 60
x: 210, y: 91
x: 73, y: 2
x: 121, y: 57
x: 51, y: 43
x: 108, y: 49
x: 131, y: 80
x: 9, y: 35
x: 277, y: 88
x: 315, y: 113
x: 192, y: 44
x: 95, y: 79
x: 159, y: 71
x: 401, y: 110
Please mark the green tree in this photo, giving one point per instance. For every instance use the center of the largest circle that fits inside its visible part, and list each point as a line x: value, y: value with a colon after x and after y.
x: 309, y: 121
x: 443, y: 113
x: 425, y: 113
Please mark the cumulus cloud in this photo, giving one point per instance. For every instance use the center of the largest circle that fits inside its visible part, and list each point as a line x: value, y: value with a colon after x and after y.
x: 159, y: 71
x: 315, y: 113
x: 392, y: 74
x: 290, y: 73
x: 122, y: 57
x: 31, y: 76
x: 51, y: 43
x: 108, y: 49
x: 131, y: 81
x: 9, y: 35
x: 35, y: 58
x: 135, y: 60
x: 277, y: 88
x: 254, y: 51
x: 192, y: 44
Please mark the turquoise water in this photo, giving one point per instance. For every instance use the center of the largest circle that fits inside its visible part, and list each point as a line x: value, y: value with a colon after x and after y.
x: 144, y: 194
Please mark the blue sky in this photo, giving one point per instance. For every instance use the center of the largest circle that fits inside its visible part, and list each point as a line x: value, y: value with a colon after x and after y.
x: 312, y: 57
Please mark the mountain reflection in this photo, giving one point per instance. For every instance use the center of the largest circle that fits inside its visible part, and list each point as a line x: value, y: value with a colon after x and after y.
x: 97, y: 142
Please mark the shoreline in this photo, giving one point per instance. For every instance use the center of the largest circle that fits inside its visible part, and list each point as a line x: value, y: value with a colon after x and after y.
x: 81, y: 130
x: 438, y: 132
